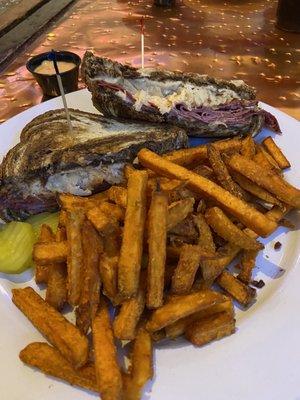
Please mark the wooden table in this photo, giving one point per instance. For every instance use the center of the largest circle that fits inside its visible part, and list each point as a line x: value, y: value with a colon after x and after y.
x: 234, y: 40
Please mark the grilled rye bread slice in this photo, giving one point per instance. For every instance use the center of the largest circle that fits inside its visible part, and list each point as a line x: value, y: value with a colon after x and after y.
x: 51, y: 159
x: 204, y: 106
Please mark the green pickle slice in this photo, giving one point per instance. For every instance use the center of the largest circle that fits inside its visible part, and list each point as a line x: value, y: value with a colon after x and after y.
x: 16, y: 243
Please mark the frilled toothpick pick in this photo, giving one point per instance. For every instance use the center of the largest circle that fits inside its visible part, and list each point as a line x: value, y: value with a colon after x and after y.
x: 142, y: 40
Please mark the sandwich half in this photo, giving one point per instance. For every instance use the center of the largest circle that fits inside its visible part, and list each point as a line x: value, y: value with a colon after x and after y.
x: 50, y: 159
x: 204, y: 106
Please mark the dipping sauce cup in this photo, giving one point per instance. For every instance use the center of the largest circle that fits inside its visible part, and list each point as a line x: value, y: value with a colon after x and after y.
x: 47, y: 82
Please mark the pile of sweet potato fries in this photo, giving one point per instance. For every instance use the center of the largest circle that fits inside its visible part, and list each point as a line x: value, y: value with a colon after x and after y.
x: 147, y: 261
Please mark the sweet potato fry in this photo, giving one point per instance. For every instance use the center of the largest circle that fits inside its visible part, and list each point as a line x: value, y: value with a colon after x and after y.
x: 211, y: 268
x: 206, y: 171
x: 213, y: 327
x: 141, y: 365
x: 54, y: 326
x: 108, y: 265
x: 41, y: 270
x: 133, y: 235
x: 185, y: 272
x: 276, y: 153
x: 70, y: 202
x: 56, y: 293
x: 195, y: 155
x: 48, y: 360
x: 173, y: 253
x: 273, y: 164
x: 261, y: 159
x: 238, y: 290
x: 75, y: 255
x: 180, y: 307
x: 178, y: 328
x: 62, y: 221
x: 265, y: 160
x: 108, y: 373
x: 90, y: 293
x: 248, y: 147
x: 267, y: 179
x: 105, y: 224
x: 223, y: 226
x: 254, y: 189
x: 118, y: 195
x: 186, y: 230
x: 157, y: 241
x: 205, y: 240
x: 50, y: 252
x: 112, y: 210
x: 222, y: 174
x: 125, y: 323
x: 277, y: 213
x: 247, y: 264
x: 235, y: 206
x: 166, y: 185
x: 178, y: 211
x: 128, y: 170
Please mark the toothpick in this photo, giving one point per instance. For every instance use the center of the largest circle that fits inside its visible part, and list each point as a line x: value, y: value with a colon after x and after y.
x: 142, y: 41
x: 61, y: 89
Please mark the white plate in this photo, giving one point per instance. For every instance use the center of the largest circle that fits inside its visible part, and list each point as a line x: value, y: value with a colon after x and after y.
x: 260, y: 361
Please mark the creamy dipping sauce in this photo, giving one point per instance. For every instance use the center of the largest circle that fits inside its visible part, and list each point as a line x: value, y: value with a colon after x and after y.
x: 47, y: 67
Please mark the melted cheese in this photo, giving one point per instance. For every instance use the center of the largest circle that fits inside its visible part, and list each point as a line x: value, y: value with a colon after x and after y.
x: 190, y: 95
x: 165, y: 95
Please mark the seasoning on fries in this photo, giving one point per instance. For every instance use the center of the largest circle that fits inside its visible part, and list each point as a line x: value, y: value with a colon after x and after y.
x: 56, y: 293
x: 276, y: 153
x: 247, y: 265
x: 105, y: 224
x: 211, y: 268
x: 50, y: 361
x: 159, y: 247
x: 53, y: 325
x: 205, y: 239
x: 223, y: 226
x: 108, y: 265
x: 90, y: 293
x: 157, y: 241
x: 70, y: 202
x: 118, y: 195
x: 141, y: 366
x: 254, y: 189
x: 41, y: 271
x: 180, y: 307
x: 238, y: 290
x: 188, y: 264
x: 235, y: 206
x: 267, y: 179
x: 248, y: 147
x: 133, y: 235
x: 195, y: 155
x: 75, y: 255
x: 179, y: 327
x: 46, y: 253
x: 178, y: 211
x: 222, y: 174
x: 213, y: 327
x: 108, y: 372
x: 126, y: 321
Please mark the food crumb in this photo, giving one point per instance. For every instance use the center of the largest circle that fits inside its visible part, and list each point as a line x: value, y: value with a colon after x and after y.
x: 277, y: 246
